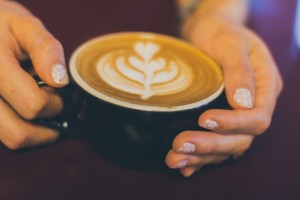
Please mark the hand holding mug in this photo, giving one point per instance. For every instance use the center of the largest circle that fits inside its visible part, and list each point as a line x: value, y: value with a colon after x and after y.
x: 142, y: 89
x: 252, y: 85
x: 21, y: 100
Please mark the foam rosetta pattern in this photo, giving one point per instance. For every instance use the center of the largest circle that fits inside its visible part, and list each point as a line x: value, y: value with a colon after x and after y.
x: 144, y: 71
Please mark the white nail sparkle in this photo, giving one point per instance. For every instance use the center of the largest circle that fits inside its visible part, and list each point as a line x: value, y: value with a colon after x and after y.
x: 181, y: 164
x: 59, y: 74
x: 187, y: 148
x: 243, y: 98
x: 209, y: 124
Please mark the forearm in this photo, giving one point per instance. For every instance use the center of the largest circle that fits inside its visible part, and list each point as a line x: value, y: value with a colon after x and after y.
x: 234, y: 10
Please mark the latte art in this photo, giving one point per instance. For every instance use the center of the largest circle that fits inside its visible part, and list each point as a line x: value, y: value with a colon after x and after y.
x: 143, y: 73
x: 146, y: 71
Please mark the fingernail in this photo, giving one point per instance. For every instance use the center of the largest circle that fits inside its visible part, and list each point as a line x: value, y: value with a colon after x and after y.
x: 192, y: 172
x: 243, y: 98
x: 209, y: 124
x: 59, y: 74
x: 188, y: 174
x: 181, y: 164
x: 187, y: 148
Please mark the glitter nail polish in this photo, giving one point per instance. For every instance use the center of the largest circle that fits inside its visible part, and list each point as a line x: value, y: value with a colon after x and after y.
x: 59, y: 74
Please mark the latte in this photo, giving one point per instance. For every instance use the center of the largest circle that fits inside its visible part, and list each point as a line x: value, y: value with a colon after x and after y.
x: 146, y: 71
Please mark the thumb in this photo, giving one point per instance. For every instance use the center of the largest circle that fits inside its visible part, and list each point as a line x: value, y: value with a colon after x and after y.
x: 45, y: 51
x: 239, y: 81
x: 238, y: 74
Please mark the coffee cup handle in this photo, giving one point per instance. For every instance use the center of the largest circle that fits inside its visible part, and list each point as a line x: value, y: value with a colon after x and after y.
x: 68, y: 122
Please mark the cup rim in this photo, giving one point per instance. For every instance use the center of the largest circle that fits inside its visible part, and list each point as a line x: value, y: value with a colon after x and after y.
x: 86, y: 87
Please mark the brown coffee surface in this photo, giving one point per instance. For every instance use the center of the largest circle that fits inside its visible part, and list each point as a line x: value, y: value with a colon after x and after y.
x: 148, y: 69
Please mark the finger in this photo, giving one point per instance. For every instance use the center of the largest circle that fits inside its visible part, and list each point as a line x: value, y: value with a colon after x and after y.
x: 247, y: 122
x: 189, y: 170
x: 268, y: 87
x: 202, y: 143
x: 181, y: 161
x: 22, y: 92
x: 267, y: 76
x: 16, y: 133
x: 45, y: 51
x: 237, y: 71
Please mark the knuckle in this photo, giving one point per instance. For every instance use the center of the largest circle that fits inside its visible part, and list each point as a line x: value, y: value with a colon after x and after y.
x: 45, y: 40
x: 208, y: 147
x: 244, y: 146
x: 232, y: 39
x: 7, y: 58
x: 30, y: 20
x: 50, y: 43
x: 234, y: 126
x: 33, y: 107
x: 17, y: 139
x: 264, y: 123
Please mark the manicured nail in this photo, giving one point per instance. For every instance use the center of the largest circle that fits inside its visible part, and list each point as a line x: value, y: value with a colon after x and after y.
x: 181, y: 164
x: 192, y: 172
x: 187, y: 148
x: 59, y: 74
x: 209, y: 124
x: 188, y: 174
x: 243, y: 98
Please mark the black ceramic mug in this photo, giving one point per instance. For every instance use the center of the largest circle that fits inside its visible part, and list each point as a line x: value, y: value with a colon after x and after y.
x: 138, y: 91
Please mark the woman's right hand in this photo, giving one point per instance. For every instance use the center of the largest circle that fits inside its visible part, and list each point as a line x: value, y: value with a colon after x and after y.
x: 252, y: 86
x: 21, y: 100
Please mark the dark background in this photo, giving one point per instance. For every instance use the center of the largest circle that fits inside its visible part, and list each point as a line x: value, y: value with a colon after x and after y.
x: 71, y: 169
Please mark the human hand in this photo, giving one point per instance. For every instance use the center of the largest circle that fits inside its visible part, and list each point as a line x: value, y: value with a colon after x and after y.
x: 252, y: 86
x: 21, y: 100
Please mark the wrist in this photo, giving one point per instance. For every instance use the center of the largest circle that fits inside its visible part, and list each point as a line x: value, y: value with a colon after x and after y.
x: 208, y: 28
x: 186, y: 8
x: 233, y: 11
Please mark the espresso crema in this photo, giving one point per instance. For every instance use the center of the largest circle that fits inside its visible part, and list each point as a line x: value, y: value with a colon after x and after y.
x: 146, y: 71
